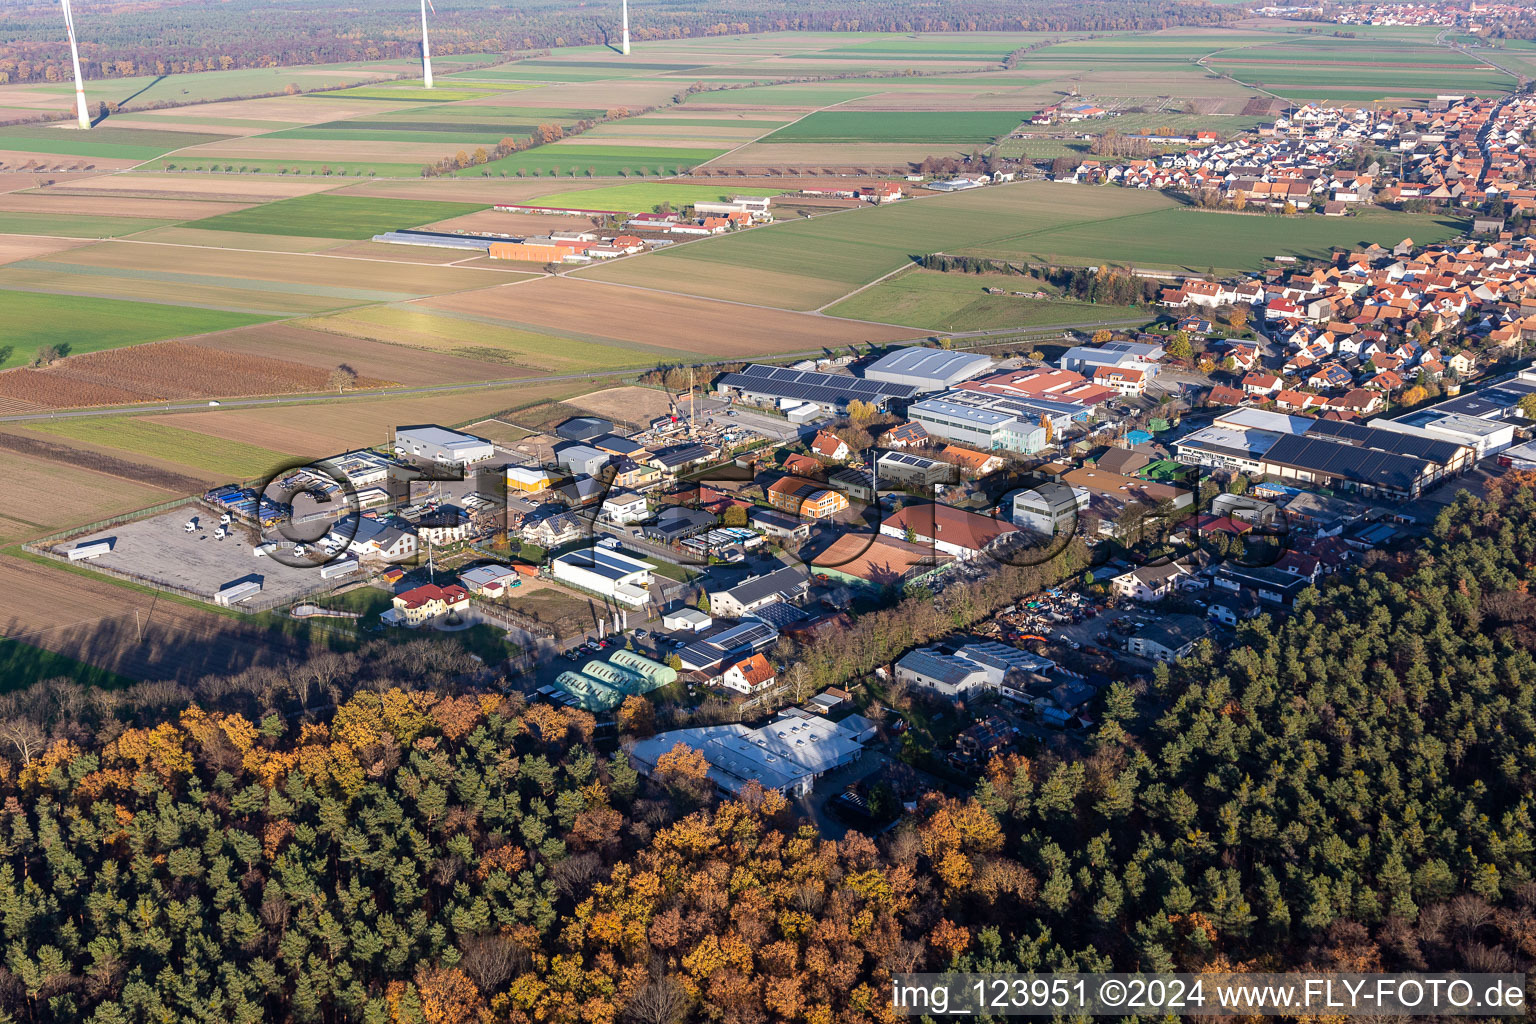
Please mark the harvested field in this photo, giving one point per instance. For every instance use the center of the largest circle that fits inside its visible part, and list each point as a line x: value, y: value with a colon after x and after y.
x: 518, y: 351
x: 328, y: 427
x: 224, y: 459
x: 134, y: 633
x: 281, y: 279
x: 165, y: 371
x: 175, y: 235
x: 631, y: 404
x: 350, y: 217
x: 232, y: 187
x: 700, y: 326
x: 498, y: 431
x: 266, y: 149
x: 50, y: 202
x: 849, y: 158
x: 375, y: 359
x: 463, y: 190
x: 26, y: 247
x: 56, y: 451
x: 13, y: 181
x: 68, y: 226
x: 74, y: 496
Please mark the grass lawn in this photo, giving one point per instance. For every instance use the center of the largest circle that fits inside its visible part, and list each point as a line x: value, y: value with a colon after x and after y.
x: 21, y: 665
x: 558, y: 160
x: 935, y: 301
x: 328, y: 216
x: 936, y: 127
x: 641, y: 198
x: 233, y: 459
x: 84, y: 324
x: 1194, y: 240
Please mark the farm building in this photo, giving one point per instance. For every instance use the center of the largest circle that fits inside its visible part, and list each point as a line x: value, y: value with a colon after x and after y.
x: 927, y: 369
x: 770, y: 385
x: 604, y: 570
x: 437, y: 444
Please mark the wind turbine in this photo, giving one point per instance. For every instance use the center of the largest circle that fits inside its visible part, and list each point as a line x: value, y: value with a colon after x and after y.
x: 74, y: 53
x: 426, y: 50
x: 624, y: 46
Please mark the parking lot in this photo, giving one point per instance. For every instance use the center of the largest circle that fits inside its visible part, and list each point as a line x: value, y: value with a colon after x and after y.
x: 160, y: 550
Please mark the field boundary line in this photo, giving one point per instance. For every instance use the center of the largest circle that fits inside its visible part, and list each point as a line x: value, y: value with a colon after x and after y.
x: 826, y: 305
x: 777, y: 128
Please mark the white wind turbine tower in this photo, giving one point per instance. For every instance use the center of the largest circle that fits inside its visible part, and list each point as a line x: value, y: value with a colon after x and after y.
x: 426, y: 50
x: 74, y: 53
x: 624, y: 47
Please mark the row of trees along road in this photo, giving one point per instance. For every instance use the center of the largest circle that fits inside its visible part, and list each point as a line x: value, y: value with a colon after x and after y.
x: 1346, y: 789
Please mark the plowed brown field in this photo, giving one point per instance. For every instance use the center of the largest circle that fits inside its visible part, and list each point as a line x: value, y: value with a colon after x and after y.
x: 163, y: 371
x: 704, y: 326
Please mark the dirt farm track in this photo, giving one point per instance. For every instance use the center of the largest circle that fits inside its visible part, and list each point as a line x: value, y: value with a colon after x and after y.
x: 94, y: 622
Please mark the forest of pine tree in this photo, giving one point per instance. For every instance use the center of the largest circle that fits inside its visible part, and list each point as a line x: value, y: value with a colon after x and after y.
x: 1348, y: 788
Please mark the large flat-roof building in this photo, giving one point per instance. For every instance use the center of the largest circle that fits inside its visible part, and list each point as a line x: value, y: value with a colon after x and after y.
x: 438, y: 444
x: 991, y: 422
x: 770, y: 385
x: 603, y: 569
x: 1484, y: 436
x: 787, y: 755
x: 927, y: 369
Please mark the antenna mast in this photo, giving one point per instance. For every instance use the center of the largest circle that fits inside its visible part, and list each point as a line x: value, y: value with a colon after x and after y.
x: 74, y: 54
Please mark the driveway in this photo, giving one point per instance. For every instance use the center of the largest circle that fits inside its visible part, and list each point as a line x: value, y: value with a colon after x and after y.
x: 829, y: 786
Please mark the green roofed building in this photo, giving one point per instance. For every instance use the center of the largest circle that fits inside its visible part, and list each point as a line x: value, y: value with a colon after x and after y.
x: 591, y: 693
x: 621, y: 679
x: 655, y: 672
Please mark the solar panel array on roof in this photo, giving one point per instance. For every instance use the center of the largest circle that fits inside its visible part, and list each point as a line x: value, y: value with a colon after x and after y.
x: 1362, y: 465
x: 908, y: 459
x: 812, y: 385
x: 1428, y: 449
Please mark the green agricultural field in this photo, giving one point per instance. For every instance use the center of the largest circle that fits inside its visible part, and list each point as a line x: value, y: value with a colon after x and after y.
x: 934, y: 301
x: 1194, y: 240
x: 85, y: 324
x: 21, y: 665
x: 493, y: 341
x: 69, y: 225
x: 232, y: 459
x: 201, y: 86
x: 328, y: 216
x: 601, y: 161
x: 642, y: 198
x: 947, y: 127
x: 807, y: 264
x: 102, y: 141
